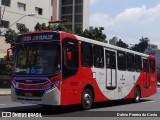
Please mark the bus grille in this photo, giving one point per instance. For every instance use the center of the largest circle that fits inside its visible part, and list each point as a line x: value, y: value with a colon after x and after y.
x: 33, y: 93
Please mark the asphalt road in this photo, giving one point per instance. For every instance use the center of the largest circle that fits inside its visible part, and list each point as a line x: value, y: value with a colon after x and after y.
x: 110, y: 109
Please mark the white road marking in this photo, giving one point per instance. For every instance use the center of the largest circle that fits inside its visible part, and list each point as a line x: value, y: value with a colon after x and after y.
x: 148, y: 101
x: 2, y: 104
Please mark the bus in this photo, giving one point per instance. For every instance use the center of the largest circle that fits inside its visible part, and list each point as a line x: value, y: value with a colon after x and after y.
x: 57, y: 68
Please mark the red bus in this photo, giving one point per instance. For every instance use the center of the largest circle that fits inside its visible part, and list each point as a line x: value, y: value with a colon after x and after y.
x: 59, y: 68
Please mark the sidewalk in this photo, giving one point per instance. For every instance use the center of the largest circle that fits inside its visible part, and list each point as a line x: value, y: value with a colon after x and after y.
x: 5, y: 91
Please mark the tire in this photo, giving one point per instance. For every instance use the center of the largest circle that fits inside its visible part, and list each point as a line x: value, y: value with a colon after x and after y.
x: 87, y: 99
x: 137, y: 95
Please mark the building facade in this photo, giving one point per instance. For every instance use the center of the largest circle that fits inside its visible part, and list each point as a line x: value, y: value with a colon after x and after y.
x: 75, y: 12
x: 13, y: 12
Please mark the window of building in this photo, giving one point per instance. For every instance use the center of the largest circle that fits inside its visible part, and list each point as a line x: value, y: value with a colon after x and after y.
x: 130, y: 62
x: 78, y: 9
x: 78, y: 1
x: 4, y: 24
x: 152, y: 65
x: 138, y: 63
x: 78, y: 18
x: 87, y: 54
x: 110, y: 59
x: 121, y: 58
x: 67, y: 10
x: 21, y: 6
x: 51, y: 2
x: 98, y: 56
x: 38, y: 11
x: 145, y: 65
x: 6, y: 2
x: 67, y: 2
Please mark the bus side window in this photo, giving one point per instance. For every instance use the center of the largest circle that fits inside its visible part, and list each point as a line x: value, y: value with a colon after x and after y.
x: 121, y: 58
x: 98, y: 56
x: 145, y: 65
x: 152, y: 65
x: 138, y: 63
x: 130, y: 62
x: 87, y: 54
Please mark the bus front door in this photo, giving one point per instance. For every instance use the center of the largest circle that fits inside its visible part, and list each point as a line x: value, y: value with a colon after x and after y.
x: 146, y: 79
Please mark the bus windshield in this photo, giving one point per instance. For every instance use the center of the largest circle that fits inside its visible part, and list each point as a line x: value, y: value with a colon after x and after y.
x: 37, y: 58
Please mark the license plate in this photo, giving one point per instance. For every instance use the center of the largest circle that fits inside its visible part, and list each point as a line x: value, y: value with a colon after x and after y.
x: 28, y: 94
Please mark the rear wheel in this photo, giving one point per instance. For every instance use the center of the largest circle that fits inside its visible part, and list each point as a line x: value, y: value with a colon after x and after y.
x: 137, y: 95
x: 87, y: 99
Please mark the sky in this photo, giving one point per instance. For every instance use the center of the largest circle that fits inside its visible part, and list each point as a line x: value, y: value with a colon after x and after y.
x: 129, y: 20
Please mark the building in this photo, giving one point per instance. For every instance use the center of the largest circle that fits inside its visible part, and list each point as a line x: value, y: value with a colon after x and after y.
x: 75, y: 12
x: 13, y: 12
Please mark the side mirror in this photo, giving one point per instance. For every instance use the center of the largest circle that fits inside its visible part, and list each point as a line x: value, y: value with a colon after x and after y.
x: 8, y: 55
x: 69, y: 56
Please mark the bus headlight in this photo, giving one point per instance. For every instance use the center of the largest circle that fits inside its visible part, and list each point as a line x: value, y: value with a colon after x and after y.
x: 51, y: 86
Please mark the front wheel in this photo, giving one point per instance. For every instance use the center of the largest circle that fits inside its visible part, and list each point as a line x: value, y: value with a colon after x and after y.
x: 137, y: 95
x: 87, y: 99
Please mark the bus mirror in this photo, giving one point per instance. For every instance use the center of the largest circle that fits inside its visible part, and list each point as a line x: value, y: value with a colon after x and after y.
x: 69, y: 56
x: 8, y: 56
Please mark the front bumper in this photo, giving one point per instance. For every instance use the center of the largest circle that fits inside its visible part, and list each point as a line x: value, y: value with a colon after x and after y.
x: 48, y: 98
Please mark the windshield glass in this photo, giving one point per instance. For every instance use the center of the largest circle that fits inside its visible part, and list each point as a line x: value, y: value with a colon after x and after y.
x: 37, y: 58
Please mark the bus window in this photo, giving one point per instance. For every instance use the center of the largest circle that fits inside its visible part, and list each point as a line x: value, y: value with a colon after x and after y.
x: 110, y: 59
x: 121, y: 58
x: 145, y: 65
x: 152, y: 65
x: 138, y: 63
x: 70, y: 65
x: 98, y: 56
x: 130, y: 62
x: 87, y: 54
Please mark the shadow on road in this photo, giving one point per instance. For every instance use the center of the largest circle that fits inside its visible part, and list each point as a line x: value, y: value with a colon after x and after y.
x: 60, y: 111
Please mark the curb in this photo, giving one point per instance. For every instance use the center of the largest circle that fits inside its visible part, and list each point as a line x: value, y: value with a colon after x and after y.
x: 5, y: 92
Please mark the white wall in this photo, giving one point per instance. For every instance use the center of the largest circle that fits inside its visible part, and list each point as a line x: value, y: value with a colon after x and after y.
x: 3, y: 47
x: 86, y: 14
x: 13, y: 13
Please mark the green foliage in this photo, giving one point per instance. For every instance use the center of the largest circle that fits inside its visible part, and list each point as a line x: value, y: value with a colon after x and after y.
x: 141, y: 46
x: 95, y: 34
x: 43, y: 26
x: 10, y: 36
x: 120, y: 43
x: 4, y: 68
x: 22, y: 28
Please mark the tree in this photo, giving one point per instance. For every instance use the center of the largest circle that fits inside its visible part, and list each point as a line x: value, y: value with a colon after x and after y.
x: 11, y: 35
x: 95, y: 34
x: 120, y: 43
x: 43, y: 26
x: 22, y: 28
x: 141, y: 46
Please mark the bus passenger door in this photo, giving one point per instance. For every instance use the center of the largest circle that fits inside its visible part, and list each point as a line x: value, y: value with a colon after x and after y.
x: 111, y: 71
x: 146, y: 79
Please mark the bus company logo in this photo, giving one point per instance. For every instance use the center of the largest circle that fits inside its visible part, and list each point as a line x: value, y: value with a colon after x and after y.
x: 29, y: 81
x: 6, y: 114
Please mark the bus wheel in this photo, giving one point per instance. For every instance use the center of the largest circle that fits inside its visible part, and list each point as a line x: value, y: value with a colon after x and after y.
x: 137, y: 95
x: 87, y: 99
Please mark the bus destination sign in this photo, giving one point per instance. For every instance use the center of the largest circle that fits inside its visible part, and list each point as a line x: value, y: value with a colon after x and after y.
x: 38, y: 37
